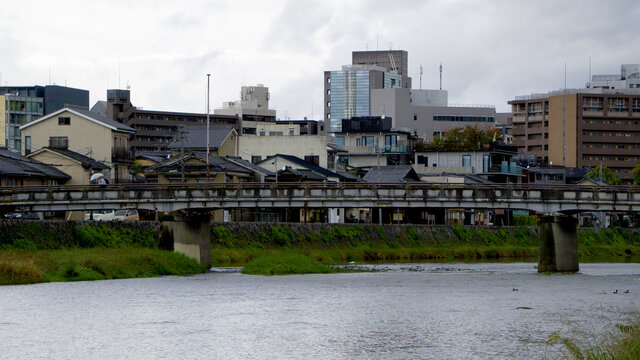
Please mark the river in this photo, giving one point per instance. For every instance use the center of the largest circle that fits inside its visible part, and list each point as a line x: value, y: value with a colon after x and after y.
x: 405, y: 311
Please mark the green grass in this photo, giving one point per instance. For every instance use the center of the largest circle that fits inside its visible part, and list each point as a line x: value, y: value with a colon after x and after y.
x: 27, y: 267
x: 623, y: 342
x: 285, y: 264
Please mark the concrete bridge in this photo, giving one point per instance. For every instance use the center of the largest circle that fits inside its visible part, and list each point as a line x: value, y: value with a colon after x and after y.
x: 567, y: 199
x: 558, y: 240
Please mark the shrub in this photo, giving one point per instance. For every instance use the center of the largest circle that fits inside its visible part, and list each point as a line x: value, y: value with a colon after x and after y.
x: 223, y: 236
x: 525, y: 220
x: 282, y: 235
x: 462, y: 233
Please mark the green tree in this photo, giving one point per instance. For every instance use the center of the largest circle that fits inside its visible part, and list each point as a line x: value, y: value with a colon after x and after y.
x: 636, y: 174
x: 608, y: 176
x: 463, y: 139
x: 136, y: 167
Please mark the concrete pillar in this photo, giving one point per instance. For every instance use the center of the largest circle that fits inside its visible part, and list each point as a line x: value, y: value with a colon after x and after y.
x: 191, y: 237
x: 558, y: 244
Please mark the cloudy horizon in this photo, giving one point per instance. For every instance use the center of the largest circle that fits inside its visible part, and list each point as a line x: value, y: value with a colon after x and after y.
x: 491, y: 51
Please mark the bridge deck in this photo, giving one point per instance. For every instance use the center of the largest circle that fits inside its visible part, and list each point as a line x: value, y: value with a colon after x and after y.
x: 173, y: 197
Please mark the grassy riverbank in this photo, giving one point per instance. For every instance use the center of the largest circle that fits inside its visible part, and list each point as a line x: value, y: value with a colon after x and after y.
x: 28, y: 267
x: 65, y: 251
x: 620, y: 342
x: 362, y: 243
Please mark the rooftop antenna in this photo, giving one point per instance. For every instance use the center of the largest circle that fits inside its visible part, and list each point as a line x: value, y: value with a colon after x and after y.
x: 589, y: 80
x: 377, y: 36
x: 420, y: 76
x: 440, y: 76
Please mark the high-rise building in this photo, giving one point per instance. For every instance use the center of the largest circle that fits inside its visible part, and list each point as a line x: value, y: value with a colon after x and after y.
x: 395, y: 61
x: 22, y: 104
x: 348, y: 91
x: 252, y: 106
x: 582, y: 128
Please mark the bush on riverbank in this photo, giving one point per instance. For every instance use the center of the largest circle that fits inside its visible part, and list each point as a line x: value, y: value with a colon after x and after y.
x: 285, y: 264
x: 65, y: 235
x: 27, y: 267
x: 612, y: 242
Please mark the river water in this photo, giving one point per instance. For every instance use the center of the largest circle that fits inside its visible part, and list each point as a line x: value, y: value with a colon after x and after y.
x: 405, y: 311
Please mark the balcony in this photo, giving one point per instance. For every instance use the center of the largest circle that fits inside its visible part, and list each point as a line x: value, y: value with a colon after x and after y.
x: 402, y: 149
x: 120, y: 154
x: 506, y: 169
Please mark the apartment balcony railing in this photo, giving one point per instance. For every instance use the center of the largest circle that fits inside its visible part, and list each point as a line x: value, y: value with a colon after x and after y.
x: 506, y: 169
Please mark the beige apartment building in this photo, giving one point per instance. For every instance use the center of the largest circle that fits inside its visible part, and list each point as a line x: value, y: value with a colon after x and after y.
x: 581, y: 128
x: 81, y: 131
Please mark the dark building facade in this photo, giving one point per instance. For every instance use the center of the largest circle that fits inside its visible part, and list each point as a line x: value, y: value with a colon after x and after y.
x: 156, y: 129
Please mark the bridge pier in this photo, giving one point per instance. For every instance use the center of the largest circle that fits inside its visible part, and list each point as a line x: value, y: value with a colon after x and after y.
x: 558, y: 244
x: 191, y: 236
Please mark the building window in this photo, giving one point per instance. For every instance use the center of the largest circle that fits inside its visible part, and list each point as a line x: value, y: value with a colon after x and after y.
x: 328, y: 103
x: 466, y: 160
x: 424, y: 160
x: 340, y: 140
x: 314, y: 159
x: 415, y: 117
x: 292, y: 131
x: 59, y: 142
x: 27, y: 145
x: 64, y: 121
x: 328, y: 91
x: 256, y: 159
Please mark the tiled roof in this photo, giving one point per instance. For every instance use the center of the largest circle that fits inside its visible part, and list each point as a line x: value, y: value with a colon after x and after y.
x: 249, y: 165
x: 86, y: 161
x: 12, y: 164
x: 195, y: 138
x: 305, y: 165
x: 391, y: 174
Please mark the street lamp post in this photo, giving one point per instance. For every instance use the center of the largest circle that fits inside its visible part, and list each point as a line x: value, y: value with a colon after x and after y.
x: 208, y: 78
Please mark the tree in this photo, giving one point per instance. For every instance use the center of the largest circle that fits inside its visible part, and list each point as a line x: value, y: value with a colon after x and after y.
x: 463, y: 139
x: 636, y: 174
x: 608, y: 176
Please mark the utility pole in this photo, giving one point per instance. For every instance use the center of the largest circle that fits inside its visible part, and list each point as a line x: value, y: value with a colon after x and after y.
x: 181, y: 133
x: 208, y: 151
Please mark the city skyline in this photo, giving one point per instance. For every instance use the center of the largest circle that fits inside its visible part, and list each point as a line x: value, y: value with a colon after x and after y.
x: 490, y: 51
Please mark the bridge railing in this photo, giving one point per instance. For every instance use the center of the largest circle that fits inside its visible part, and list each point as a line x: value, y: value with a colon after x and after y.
x: 317, y: 185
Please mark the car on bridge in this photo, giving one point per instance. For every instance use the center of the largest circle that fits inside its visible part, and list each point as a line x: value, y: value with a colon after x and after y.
x: 101, y: 215
x: 127, y: 215
x: 23, y: 216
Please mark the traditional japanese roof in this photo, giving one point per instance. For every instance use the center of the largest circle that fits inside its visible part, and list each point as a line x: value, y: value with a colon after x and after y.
x: 85, y: 161
x: 392, y: 174
x: 195, y: 138
x: 16, y: 165
x: 301, y: 164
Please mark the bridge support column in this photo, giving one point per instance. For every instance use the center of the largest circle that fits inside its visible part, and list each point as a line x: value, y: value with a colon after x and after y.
x: 191, y: 237
x: 558, y: 244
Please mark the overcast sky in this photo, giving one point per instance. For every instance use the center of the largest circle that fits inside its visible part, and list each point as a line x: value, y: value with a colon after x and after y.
x: 491, y: 51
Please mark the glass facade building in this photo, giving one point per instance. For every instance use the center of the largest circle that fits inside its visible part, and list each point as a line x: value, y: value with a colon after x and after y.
x: 22, y: 104
x: 350, y: 93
